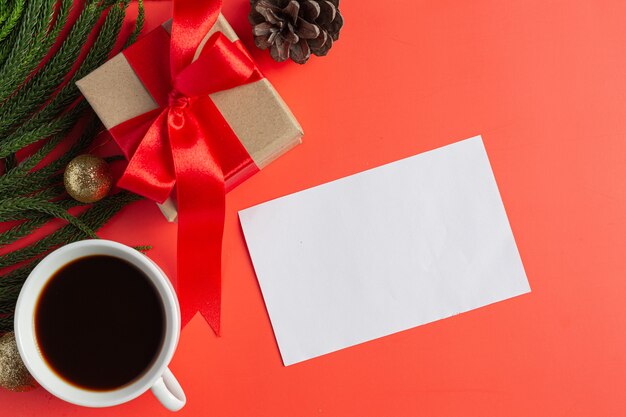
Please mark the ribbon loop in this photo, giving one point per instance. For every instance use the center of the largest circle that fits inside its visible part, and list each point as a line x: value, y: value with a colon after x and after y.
x: 150, y: 171
x: 222, y: 65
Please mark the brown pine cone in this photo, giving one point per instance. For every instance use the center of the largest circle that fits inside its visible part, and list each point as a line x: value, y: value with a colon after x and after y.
x: 295, y: 28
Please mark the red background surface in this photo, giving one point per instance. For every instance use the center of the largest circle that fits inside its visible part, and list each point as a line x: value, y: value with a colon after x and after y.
x: 544, y: 82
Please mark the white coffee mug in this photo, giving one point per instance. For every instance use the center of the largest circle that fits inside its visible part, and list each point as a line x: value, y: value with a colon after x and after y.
x: 157, y: 378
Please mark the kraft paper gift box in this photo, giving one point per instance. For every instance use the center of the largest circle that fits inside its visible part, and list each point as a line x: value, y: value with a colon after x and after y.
x: 255, y: 112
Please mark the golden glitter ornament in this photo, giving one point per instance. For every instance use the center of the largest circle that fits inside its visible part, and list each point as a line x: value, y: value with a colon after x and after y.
x: 88, y: 178
x: 13, y: 374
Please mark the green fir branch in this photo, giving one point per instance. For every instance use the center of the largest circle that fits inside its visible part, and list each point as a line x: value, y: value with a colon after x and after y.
x: 5, y: 47
x: 22, y: 180
x: 5, y: 10
x: 32, y: 43
x: 37, y: 90
x: 30, y: 162
x: 40, y: 185
x: 16, y: 277
x: 56, y: 194
x: 143, y: 248
x: 69, y: 93
x: 94, y: 219
x: 11, y: 17
x: 141, y: 17
x: 6, y: 323
x: 40, y: 102
x: 26, y: 135
x: 36, y: 221
x: 10, y: 162
x: 10, y: 206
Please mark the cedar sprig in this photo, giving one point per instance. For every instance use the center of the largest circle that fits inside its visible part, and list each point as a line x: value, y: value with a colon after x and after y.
x: 95, y: 218
x: 26, y: 135
x: 9, y: 206
x: 48, y: 194
x: 29, y: 163
x: 141, y: 17
x: 69, y: 233
x: 36, y: 91
x: 40, y: 103
x: 33, y: 223
x: 12, y: 13
x: 16, y: 277
x: 25, y: 31
x: 43, y: 123
x: 31, y: 44
x: 96, y: 56
x: 21, y: 179
x: 55, y: 193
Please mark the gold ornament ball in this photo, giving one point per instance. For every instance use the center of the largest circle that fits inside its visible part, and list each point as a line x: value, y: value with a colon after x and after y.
x: 88, y: 178
x: 13, y: 374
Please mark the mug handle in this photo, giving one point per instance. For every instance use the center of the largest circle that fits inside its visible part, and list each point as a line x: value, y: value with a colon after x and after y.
x: 169, y: 392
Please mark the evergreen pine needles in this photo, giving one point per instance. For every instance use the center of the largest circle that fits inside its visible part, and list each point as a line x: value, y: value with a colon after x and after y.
x: 12, y: 11
x: 40, y: 103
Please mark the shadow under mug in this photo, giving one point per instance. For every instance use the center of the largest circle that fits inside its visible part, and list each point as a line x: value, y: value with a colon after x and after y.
x: 158, y: 378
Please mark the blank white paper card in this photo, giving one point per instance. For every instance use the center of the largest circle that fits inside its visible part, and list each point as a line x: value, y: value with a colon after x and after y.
x: 382, y: 251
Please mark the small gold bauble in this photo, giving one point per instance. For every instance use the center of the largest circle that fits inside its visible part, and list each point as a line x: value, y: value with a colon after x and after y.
x: 13, y: 374
x: 88, y: 178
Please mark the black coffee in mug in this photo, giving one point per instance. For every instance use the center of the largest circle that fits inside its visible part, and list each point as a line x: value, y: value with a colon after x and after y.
x: 99, y: 322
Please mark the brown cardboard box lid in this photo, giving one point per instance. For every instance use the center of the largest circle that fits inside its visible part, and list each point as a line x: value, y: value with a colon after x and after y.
x: 256, y: 113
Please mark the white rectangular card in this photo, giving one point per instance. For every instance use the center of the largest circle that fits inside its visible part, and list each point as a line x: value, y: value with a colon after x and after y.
x: 385, y: 250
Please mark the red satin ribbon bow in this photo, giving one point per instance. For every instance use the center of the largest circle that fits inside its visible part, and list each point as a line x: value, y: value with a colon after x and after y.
x: 186, y: 142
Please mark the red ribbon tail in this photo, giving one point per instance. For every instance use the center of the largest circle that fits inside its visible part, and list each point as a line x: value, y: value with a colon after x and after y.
x: 199, y: 283
x: 201, y: 207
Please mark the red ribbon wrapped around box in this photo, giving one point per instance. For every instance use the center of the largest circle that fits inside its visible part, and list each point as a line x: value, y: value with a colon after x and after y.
x: 186, y: 141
